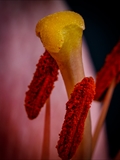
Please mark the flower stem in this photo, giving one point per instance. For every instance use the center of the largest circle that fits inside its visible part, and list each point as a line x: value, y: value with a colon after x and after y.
x: 103, y: 114
x: 46, y: 136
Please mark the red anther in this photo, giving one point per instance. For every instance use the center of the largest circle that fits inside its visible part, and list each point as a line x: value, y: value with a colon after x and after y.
x: 109, y: 71
x: 76, y: 112
x: 41, y: 85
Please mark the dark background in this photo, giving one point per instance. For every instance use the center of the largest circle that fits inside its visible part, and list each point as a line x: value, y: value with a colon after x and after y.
x: 102, y: 33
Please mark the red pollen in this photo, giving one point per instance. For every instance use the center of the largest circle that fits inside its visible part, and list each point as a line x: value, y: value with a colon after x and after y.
x: 76, y: 112
x: 41, y: 85
x: 109, y: 71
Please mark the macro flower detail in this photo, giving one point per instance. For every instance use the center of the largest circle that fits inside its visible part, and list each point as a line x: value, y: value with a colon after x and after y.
x: 76, y: 112
x: 109, y: 71
x: 41, y: 85
x: 106, y: 80
x: 61, y: 35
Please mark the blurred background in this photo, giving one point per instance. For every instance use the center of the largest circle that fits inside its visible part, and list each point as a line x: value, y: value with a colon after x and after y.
x: 102, y: 33
x: 20, y: 50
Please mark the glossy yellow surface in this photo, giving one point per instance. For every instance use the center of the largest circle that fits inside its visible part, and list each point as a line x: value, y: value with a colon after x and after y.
x: 60, y: 30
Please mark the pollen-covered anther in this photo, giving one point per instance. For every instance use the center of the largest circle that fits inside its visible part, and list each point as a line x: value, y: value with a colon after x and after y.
x: 105, y: 76
x: 76, y: 112
x: 41, y: 85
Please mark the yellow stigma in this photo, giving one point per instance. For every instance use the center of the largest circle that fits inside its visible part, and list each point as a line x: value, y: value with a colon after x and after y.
x: 60, y: 30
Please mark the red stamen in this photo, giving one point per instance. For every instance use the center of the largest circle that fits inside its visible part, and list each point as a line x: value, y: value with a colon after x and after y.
x: 76, y: 112
x: 41, y: 85
x: 108, y: 72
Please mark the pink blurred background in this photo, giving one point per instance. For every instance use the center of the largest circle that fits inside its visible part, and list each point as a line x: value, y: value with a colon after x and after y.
x: 20, y: 50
